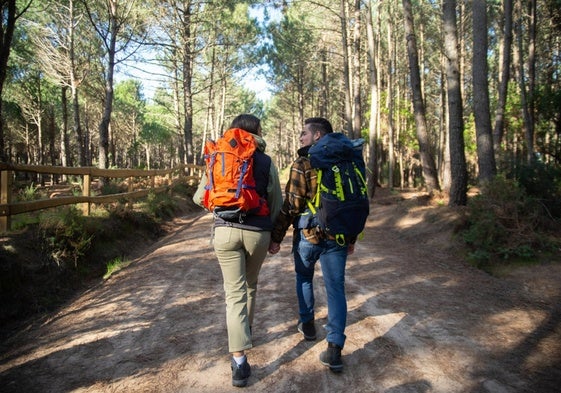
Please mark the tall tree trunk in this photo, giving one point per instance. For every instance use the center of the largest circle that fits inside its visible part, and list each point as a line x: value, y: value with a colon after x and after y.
x: 461, y: 34
x: 346, y: 68
x: 372, y: 174
x: 103, y: 153
x: 519, y: 57
x: 8, y: 23
x: 444, y: 167
x: 177, y: 115
x: 427, y: 160
x: 357, y: 107
x: 458, y: 167
x: 221, y: 113
x: 390, y: 102
x: 64, y: 142
x: 188, y: 57
x: 300, y: 93
x: 210, y: 112
x: 74, y: 83
x: 324, y: 96
x: 504, y: 76
x: 485, y: 153
x: 77, y: 129
x: 39, y: 112
x: 51, y: 133
x: 532, y: 27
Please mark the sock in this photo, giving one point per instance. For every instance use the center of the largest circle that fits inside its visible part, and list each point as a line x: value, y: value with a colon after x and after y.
x: 239, y: 360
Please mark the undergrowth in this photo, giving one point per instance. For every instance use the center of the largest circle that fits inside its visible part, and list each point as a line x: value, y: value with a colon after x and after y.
x: 59, y: 251
x: 506, y: 224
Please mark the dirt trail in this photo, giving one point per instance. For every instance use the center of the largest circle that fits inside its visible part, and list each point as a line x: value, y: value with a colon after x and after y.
x: 420, y: 320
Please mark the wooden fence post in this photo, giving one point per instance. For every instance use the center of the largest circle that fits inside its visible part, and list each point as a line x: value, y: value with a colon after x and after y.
x: 86, y: 180
x: 130, y: 188
x: 5, y: 198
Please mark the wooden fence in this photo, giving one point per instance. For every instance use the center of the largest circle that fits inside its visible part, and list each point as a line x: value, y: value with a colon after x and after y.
x: 160, y: 180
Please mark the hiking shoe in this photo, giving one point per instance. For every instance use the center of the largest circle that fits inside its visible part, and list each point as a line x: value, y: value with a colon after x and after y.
x: 308, y: 330
x: 240, y: 373
x: 332, y: 358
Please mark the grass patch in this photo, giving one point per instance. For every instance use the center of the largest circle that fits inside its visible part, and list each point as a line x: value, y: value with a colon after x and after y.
x: 114, y: 266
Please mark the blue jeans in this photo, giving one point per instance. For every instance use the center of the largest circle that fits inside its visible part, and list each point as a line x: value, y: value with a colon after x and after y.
x: 333, y: 259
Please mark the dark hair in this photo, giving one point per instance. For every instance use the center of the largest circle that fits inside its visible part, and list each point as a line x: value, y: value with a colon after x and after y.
x: 247, y: 122
x: 319, y: 124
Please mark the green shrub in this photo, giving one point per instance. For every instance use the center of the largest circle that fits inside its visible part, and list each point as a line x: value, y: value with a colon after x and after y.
x: 542, y: 182
x: 161, y: 205
x: 183, y: 189
x: 505, y: 223
x: 65, y: 235
x: 29, y: 193
x: 111, y: 187
x: 21, y: 221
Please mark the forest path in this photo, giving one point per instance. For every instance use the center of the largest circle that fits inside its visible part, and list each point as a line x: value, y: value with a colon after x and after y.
x: 420, y: 320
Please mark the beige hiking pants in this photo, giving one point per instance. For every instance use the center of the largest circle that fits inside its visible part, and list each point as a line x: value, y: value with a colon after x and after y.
x: 240, y: 253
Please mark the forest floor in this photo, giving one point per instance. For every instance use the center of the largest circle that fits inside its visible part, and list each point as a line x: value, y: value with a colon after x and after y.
x: 421, y: 319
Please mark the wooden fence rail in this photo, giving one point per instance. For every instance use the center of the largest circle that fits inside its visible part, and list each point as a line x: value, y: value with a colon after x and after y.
x: 188, y: 173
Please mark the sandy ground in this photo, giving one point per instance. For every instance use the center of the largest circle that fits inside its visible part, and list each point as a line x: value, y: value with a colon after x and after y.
x: 420, y: 320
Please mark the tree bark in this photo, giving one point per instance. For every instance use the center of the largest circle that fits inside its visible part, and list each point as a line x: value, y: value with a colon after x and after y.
x: 528, y: 127
x: 532, y: 27
x: 427, y: 160
x: 357, y: 107
x: 481, y: 111
x: 103, y: 154
x: 74, y: 83
x: 188, y: 55
x: 444, y: 167
x: 372, y: 174
x: 504, y: 76
x: 458, y: 167
x: 346, y: 68
x: 64, y: 142
x: 8, y: 24
x: 390, y: 101
x: 324, y: 96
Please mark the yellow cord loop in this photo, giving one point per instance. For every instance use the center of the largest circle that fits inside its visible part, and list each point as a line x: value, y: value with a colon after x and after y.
x: 340, y: 239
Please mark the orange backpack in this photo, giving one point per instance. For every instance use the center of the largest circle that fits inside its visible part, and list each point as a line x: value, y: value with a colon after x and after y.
x: 230, y: 191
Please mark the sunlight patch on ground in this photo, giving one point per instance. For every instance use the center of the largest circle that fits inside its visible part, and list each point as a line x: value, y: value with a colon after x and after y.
x: 410, y: 220
x: 550, y: 344
x: 377, y: 326
x: 81, y: 339
x: 508, y: 334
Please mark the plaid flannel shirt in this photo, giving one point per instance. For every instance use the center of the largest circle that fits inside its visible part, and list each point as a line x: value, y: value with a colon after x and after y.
x: 301, y: 187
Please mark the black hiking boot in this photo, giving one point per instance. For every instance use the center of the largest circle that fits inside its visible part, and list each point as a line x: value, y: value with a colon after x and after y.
x: 332, y: 358
x: 308, y: 330
x: 240, y: 373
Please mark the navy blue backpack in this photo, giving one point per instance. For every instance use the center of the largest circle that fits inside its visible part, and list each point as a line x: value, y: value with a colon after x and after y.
x: 341, y: 203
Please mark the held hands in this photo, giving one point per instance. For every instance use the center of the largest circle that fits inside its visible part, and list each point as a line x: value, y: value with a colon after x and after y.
x: 274, y: 247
